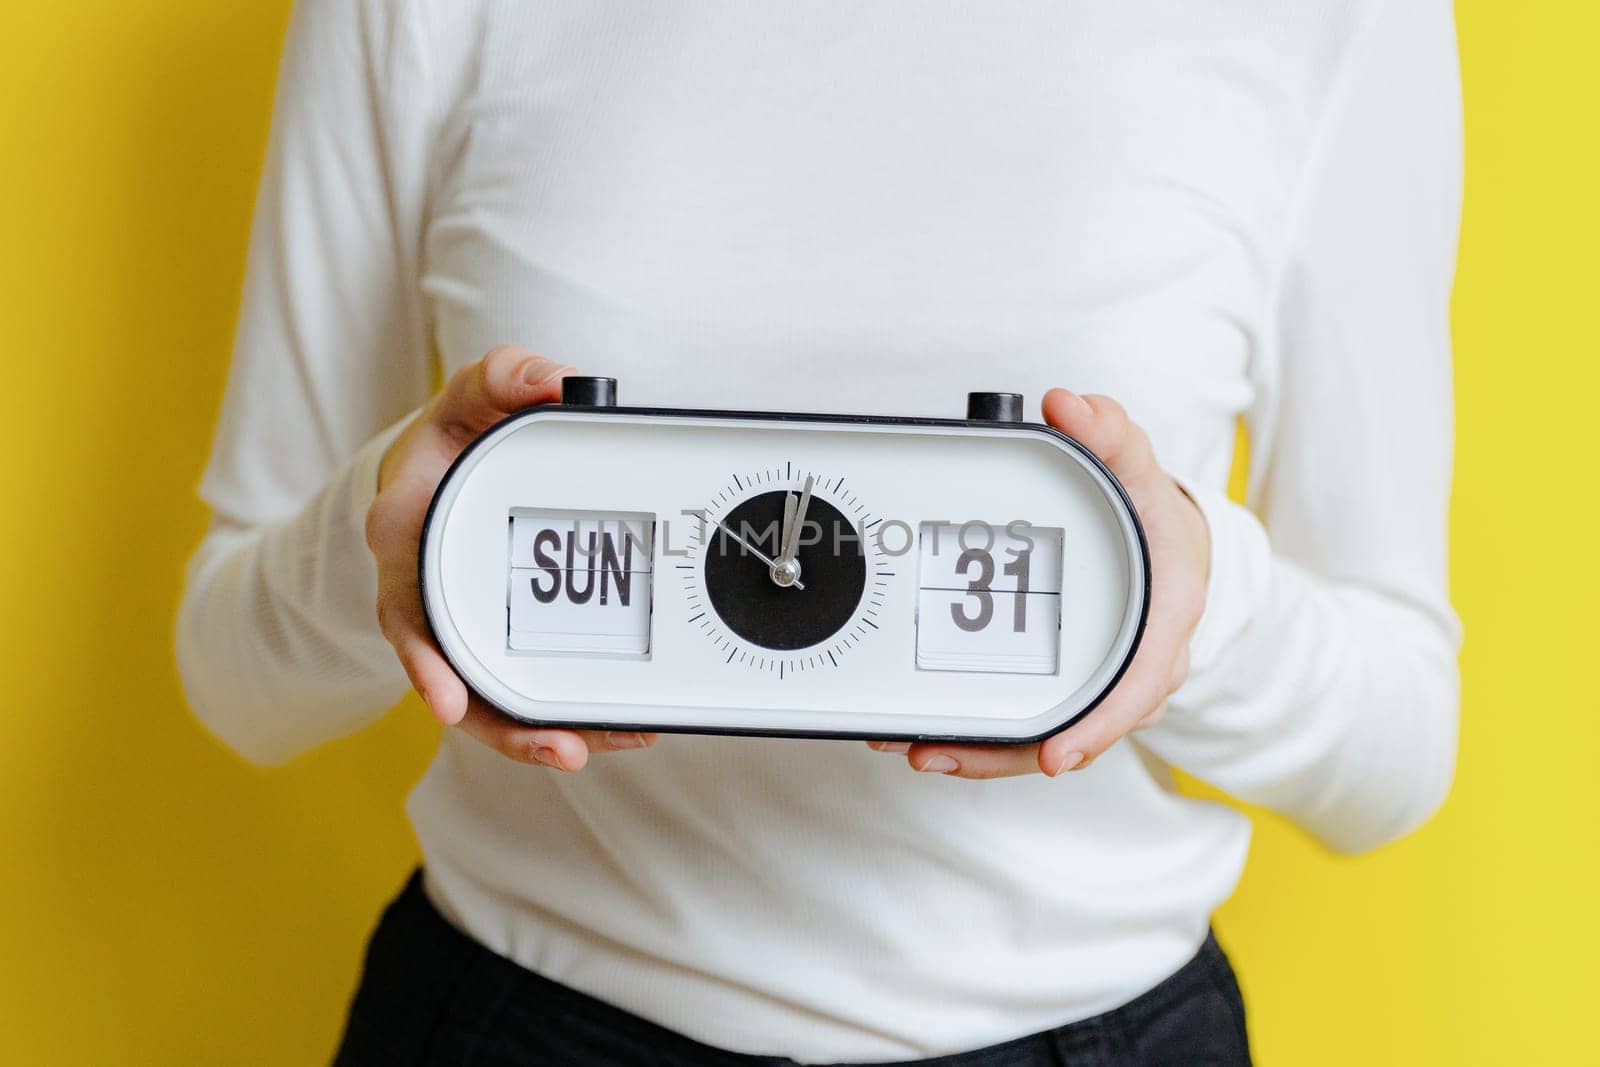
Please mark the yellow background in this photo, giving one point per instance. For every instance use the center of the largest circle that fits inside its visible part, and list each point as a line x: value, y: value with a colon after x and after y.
x: 161, y: 902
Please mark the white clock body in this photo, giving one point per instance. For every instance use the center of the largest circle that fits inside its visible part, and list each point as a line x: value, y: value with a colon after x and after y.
x: 564, y: 572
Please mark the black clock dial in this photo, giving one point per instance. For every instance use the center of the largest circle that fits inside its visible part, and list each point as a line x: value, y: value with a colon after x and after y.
x: 741, y: 588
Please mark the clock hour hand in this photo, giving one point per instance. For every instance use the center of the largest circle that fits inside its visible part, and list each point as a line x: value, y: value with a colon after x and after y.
x: 794, y: 520
x: 788, y: 525
x: 781, y: 573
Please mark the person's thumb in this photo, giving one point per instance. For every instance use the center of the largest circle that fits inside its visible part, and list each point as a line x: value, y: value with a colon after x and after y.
x: 1101, y: 425
x: 480, y: 394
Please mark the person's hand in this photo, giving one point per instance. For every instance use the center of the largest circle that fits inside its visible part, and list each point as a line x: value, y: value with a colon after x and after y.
x: 1180, y: 555
x: 476, y: 397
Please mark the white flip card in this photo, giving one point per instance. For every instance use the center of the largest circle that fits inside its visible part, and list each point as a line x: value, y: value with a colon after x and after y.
x: 579, y: 582
x: 989, y: 598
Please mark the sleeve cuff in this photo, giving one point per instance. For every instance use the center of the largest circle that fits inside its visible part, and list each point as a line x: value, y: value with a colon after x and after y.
x: 1240, y: 570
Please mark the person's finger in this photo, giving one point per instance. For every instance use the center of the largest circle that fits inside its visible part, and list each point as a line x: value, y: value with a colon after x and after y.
x: 480, y: 394
x: 1153, y: 718
x: 561, y: 749
x: 566, y: 750
x: 405, y: 627
x: 401, y: 621
x: 975, y: 761
x: 1180, y: 666
x: 1102, y: 426
x: 394, y: 525
x: 964, y: 761
x: 617, y: 740
x: 1138, y: 694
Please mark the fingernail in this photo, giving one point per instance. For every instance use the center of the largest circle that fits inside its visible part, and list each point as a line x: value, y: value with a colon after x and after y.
x: 940, y: 764
x: 897, y: 747
x: 539, y: 372
x: 1084, y: 404
x: 1069, y: 763
x: 545, y: 756
x: 624, y: 739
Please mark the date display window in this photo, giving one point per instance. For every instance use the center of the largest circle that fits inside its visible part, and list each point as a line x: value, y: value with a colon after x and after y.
x: 989, y: 598
x: 579, y: 582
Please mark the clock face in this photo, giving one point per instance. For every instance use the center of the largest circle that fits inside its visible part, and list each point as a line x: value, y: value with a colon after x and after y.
x: 785, y: 561
x: 783, y: 574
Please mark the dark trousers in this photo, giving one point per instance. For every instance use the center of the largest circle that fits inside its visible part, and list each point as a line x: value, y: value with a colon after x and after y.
x: 431, y: 995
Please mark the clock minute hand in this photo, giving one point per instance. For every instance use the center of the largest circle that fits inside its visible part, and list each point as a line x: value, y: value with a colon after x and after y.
x: 772, y: 564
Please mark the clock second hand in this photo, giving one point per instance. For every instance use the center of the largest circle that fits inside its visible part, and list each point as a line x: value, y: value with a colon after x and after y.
x: 772, y: 565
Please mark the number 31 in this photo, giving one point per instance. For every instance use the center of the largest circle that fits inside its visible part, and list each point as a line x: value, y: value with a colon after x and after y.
x: 978, y: 588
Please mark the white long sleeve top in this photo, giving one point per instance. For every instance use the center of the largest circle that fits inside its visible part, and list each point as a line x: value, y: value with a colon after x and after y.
x: 1205, y: 210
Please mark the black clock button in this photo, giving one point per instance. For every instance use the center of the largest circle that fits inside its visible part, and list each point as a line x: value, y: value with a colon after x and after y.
x: 994, y: 407
x: 580, y: 391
